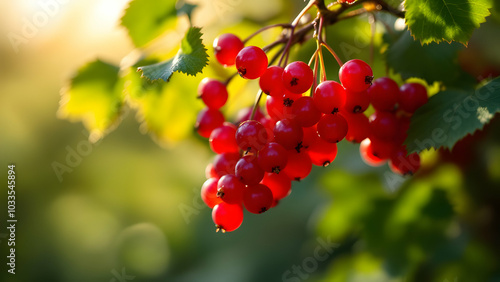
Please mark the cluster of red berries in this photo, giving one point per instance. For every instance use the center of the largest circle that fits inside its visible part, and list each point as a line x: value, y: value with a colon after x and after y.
x: 259, y: 156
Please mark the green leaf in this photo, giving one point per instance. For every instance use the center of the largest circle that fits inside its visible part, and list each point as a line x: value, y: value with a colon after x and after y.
x: 95, y: 97
x: 147, y: 19
x: 191, y: 58
x: 452, y: 114
x: 166, y: 110
x: 187, y: 9
x: 432, y: 62
x: 445, y: 20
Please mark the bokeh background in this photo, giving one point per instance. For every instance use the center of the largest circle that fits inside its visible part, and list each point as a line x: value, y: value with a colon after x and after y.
x: 129, y: 207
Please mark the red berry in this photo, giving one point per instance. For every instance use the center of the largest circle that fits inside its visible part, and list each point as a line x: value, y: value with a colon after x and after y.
x: 230, y: 189
x: 210, y: 171
x: 298, y: 77
x: 384, y: 125
x: 321, y: 152
x: 382, y: 149
x: 209, y: 192
x: 248, y: 170
x: 279, y: 184
x: 251, y: 136
x: 384, y: 94
x: 225, y: 163
x: 366, y: 152
x: 208, y: 120
x: 274, y: 107
x: 257, y: 198
x: 213, y: 93
x: 412, y: 97
x: 404, y: 164
x: 356, y: 75
x: 251, y: 62
x: 288, y: 134
x: 271, y: 81
x: 356, y: 102
x: 358, y: 127
x: 273, y: 157
x: 226, y: 47
x: 223, y: 139
x: 227, y: 217
x: 329, y: 97
x: 332, y: 128
x: 299, y: 165
x: 305, y: 112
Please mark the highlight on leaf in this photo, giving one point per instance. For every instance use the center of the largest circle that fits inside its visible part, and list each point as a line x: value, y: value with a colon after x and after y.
x: 94, y: 96
x: 191, y: 58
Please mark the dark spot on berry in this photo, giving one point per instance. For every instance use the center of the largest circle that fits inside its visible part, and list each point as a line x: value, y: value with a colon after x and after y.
x: 297, y: 179
x: 335, y: 110
x: 276, y: 169
x: 357, y: 109
x: 327, y: 163
x: 299, y: 147
x: 368, y: 79
x: 242, y: 71
x: 220, y: 193
x: 263, y: 209
x: 287, y: 102
x: 294, y: 82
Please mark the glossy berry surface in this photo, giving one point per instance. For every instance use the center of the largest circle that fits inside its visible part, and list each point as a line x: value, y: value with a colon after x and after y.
x: 225, y: 163
x: 251, y: 136
x: 356, y: 75
x: 321, y: 152
x: 288, y: 133
x: 208, y: 120
x: 209, y: 192
x: 271, y: 81
x: 280, y: 184
x: 273, y: 157
x: 358, y: 127
x: 384, y: 125
x: 248, y: 170
x: 332, y: 128
x: 412, y: 96
x: 329, y: 97
x: 223, y: 139
x: 257, y: 198
x: 356, y: 102
x: 299, y: 165
x: 384, y: 94
x: 304, y: 112
x: 213, y: 93
x: 251, y: 62
x: 227, y: 217
x: 366, y: 152
x: 226, y: 47
x: 230, y: 189
x: 297, y: 77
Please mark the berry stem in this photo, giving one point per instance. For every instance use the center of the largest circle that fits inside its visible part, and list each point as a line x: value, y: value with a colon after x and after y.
x: 283, y: 25
x: 339, y: 61
x: 256, y: 104
x: 292, y: 31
